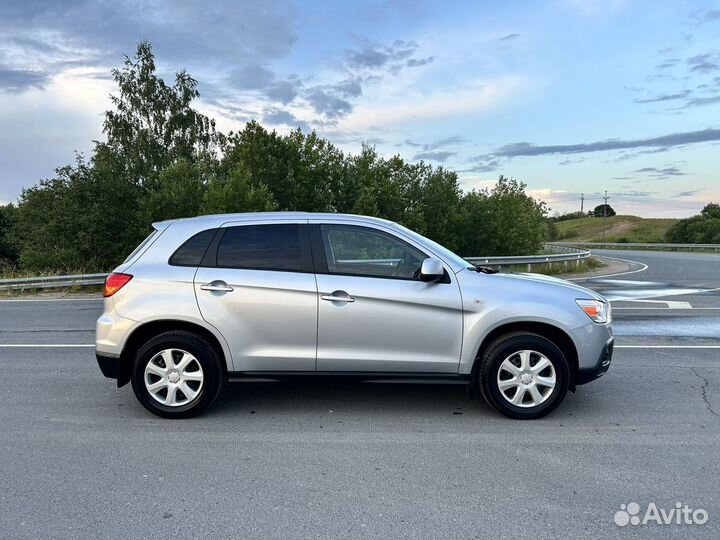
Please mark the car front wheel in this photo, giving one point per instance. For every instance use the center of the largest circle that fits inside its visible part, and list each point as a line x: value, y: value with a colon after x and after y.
x: 523, y: 376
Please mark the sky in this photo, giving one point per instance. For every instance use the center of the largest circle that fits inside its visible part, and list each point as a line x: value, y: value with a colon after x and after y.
x: 571, y: 97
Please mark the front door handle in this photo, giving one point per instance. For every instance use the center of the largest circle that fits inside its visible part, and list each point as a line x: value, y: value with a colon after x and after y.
x: 217, y: 286
x: 338, y: 296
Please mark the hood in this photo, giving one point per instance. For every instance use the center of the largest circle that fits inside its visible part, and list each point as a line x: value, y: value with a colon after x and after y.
x: 544, y: 281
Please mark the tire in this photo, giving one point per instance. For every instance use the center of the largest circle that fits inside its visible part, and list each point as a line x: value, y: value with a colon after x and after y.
x: 189, y: 387
x: 516, y: 364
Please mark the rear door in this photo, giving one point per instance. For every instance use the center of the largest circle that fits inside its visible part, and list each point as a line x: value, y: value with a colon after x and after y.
x: 256, y: 286
x: 374, y: 313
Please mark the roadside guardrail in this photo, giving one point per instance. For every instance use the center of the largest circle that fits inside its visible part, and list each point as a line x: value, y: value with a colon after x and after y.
x: 620, y: 245
x: 565, y: 255
x: 48, y: 282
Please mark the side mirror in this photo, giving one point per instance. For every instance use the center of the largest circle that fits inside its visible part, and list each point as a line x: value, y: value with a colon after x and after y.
x: 431, y: 271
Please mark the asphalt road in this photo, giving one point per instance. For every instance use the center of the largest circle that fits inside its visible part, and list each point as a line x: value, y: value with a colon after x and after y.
x: 80, y: 458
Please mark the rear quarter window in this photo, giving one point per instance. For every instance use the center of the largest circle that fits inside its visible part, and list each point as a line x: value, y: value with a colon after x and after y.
x: 193, y: 250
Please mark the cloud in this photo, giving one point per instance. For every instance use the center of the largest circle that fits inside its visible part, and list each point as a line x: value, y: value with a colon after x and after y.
x: 686, y: 193
x: 19, y: 80
x: 702, y: 101
x: 417, y: 62
x: 256, y: 77
x: 525, y: 149
x: 437, y: 155
x: 83, y: 32
x: 440, y: 143
x: 380, y: 56
x: 484, y: 165
x: 665, y: 97
x: 276, y: 117
x: 328, y: 103
x: 664, y: 172
x: 703, y: 63
x: 414, y: 105
x: 710, y: 15
x: 509, y: 37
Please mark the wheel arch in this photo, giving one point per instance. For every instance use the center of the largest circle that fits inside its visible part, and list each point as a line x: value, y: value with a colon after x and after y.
x: 553, y: 333
x: 145, y: 331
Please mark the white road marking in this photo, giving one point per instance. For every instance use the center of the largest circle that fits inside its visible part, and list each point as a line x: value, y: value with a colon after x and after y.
x: 667, y: 347
x: 86, y: 345
x: 43, y: 345
x: 671, y: 304
x: 644, y: 267
x: 50, y: 299
x: 665, y: 309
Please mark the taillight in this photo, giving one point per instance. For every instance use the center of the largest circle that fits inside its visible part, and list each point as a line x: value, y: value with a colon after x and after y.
x: 114, y: 282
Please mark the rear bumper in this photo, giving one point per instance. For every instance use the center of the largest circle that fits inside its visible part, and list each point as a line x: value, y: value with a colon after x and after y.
x: 114, y: 368
x: 586, y: 375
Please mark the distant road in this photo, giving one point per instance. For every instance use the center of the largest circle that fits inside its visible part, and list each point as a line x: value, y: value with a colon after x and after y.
x: 692, y: 269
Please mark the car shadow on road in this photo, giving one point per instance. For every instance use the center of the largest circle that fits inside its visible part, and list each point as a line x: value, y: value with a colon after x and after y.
x: 348, y: 397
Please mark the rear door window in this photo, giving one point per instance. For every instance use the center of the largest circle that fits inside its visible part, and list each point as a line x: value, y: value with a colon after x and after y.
x: 261, y: 247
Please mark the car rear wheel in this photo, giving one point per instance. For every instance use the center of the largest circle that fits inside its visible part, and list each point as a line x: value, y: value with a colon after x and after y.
x: 523, y: 376
x: 176, y: 375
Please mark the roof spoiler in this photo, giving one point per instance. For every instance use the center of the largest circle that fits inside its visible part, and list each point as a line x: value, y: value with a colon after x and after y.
x: 162, y: 225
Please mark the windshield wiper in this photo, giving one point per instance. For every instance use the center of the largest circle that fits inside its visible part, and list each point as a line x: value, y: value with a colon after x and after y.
x: 484, y: 269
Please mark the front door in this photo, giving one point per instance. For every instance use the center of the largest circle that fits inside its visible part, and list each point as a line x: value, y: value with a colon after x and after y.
x: 374, y: 312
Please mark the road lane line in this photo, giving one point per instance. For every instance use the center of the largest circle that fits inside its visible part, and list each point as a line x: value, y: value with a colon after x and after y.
x: 667, y: 347
x: 87, y: 345
x: 43, y: 345
x: 666, y: 309
x: 644, y: 267
x: 50, y: 299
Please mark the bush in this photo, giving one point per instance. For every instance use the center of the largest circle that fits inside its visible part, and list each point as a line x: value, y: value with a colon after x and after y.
x: 703, y: 228
x: 603, y: 210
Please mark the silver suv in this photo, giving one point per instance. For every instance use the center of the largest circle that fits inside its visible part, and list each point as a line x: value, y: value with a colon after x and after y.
x: 276, y: 295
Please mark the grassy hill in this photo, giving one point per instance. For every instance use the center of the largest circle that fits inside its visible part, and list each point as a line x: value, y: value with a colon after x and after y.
x: 619, y: 229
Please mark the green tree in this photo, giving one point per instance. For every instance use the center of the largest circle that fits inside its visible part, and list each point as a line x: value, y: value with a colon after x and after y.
x: 153, y: 124
x: 603, y: 210
x: 502, y: 221
x: 703, y: 228
x: 236, y: 191
x: 83, y: 218
x: 8, y: 251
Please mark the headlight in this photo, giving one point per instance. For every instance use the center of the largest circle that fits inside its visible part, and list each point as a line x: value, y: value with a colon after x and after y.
x: 595, y: 309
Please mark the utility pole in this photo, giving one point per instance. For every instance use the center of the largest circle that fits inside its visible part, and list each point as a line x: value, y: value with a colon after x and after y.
x: 605, y: 213
x: 582, y: 203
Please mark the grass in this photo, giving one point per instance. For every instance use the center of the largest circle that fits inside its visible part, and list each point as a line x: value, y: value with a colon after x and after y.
x: 559, y: 268
x: 54, y: 291
x: 9, y: 272
x: 631, y: 229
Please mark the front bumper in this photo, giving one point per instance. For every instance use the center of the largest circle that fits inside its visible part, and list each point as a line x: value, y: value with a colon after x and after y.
x: 586, y: 375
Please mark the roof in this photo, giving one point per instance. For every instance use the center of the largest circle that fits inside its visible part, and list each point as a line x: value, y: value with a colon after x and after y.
x: 255, y: 216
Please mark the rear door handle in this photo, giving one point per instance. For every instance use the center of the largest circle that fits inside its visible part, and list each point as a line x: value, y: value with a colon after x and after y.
x: 217, y: 286
x: 338, y: 296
